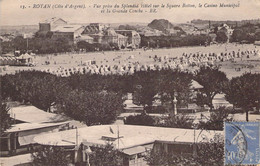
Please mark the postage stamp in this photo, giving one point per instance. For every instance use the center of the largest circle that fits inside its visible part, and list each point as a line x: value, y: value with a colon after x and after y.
x: 242, y: 143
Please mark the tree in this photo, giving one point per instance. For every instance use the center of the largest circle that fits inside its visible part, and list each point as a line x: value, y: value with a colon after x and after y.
x: 221, y: 37
x: 51, y: 156
x: 45, y: 91
x: 5, y: 119
x: 244, y: 92
x: 38, y: 88
x: 216, y: 120
x: 82, y: 44
x: 174, y: 83
x: 146, y: 88
x: 19, y: 43
x: 211, y: 152
x: 213, y: 81
x: 105, y: 156
x: 92, y: 108
x: 155, y: 158
x: 238, y: 35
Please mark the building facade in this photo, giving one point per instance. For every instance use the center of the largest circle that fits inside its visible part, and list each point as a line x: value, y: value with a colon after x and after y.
x: 70, y: 32
x: 134, y: 39
x: 50, y: 24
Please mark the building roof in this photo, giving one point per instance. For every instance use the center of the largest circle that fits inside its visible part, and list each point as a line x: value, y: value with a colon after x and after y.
x: 32, y: 114
x: 52, y: 20
x: 32, y: 126
x: 201, y: 26
x: 67, y: 28
x: 195, y: 85
x: 220, y: 99
x: 25, y: 56
x: 130, y: 135
x: 85, y: 37
x: 134, y: 150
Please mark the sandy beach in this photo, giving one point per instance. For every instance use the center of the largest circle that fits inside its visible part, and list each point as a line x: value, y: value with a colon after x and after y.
x: 124, y: 57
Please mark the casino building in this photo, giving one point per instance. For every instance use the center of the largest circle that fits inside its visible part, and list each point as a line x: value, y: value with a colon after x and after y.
x: 92, y: 33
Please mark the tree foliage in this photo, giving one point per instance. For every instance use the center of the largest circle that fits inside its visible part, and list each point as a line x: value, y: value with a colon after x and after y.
x: 173, y: 41
x: 221, y: 37
x: 216, y: 119
x: 5, y: 119
x: 178, y: 121
x: 92, y: 108
x: 38, y: 88
x: 174, y: 83
x: 211, y: 152
x: 155, y: 158
x: 145, y: 84
x: 244, y: 92
x: 213, y: 81
x: 142, y: 119
x: 106, y: 156
x: 248, y: 32
x: 208, y: 153
x: 51, y: 156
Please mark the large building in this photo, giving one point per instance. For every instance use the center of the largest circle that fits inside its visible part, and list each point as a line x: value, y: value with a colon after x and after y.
x: 133, y: 141
x: 29, y: 122
x: 134, y: 38
x: 94, y: 28
x: 104, y: 34
x: 110, y: 36
x: 92, y: 33
x: 70, y: 32
x: 50, y: 24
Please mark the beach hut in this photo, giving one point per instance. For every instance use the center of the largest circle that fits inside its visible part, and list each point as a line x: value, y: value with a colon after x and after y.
x: 25, y: 59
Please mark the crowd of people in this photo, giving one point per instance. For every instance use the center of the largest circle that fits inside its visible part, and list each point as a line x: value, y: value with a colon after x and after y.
x: 160, y: 62
x: 187, y: 61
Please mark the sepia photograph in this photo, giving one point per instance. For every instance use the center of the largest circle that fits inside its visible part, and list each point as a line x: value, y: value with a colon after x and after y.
x: 129, y: 82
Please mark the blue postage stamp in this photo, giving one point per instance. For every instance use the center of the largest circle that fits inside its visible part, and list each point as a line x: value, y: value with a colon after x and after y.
x: 242, y: 143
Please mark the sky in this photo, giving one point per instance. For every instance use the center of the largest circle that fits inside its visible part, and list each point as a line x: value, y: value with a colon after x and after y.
x: 11, y: 12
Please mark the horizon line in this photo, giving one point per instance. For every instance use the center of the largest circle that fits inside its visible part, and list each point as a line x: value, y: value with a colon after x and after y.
x: 124, y: 23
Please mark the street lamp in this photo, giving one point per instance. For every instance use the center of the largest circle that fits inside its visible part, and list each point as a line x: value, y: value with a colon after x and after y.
x: 175, y: 105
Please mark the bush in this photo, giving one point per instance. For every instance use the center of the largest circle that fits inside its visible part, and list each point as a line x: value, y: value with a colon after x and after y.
x: 178, y: 121
x: 216, y: 119
x: 211, y: 152
x: 51, y: 156
x: 142, y: 119
x: 167, y: 159
x: 105, y: 156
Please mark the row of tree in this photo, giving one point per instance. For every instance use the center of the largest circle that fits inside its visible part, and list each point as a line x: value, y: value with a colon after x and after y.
x: 174, y: 41
x: 45, y: 90
x: 37, y: 45
x: 248, y: 32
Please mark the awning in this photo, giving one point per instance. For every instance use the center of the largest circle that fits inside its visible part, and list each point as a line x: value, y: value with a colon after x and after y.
x: 134, y: 150
x: 26, y: 140
x: 27, y: 137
